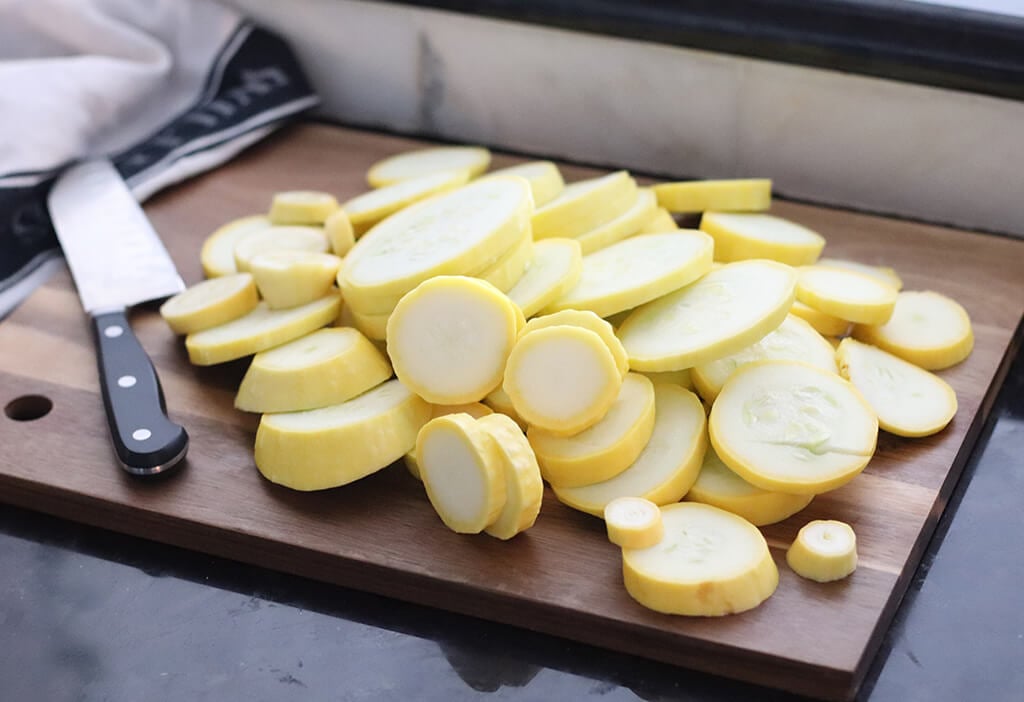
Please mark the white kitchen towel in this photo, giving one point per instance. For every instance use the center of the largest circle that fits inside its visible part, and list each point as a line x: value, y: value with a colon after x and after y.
x: 165, y: 88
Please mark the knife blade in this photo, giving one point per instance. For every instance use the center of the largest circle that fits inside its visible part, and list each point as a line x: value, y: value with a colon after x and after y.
x: 118, y: 261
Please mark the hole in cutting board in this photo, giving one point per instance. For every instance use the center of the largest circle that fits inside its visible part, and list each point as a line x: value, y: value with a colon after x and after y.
x: 28, y: 407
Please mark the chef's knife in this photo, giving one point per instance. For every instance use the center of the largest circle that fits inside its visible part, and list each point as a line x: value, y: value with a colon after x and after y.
x: 118, y: 261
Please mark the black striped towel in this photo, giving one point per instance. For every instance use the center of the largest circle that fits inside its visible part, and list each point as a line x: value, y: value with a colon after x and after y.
x: 166, y: 88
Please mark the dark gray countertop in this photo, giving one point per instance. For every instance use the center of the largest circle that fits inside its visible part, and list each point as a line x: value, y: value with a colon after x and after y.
x: 86, y: 614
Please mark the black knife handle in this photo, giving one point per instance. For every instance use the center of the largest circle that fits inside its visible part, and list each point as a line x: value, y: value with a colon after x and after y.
x: 146, y: 441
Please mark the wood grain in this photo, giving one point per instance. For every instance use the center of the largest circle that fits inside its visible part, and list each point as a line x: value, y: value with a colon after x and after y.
x: 380, y: 534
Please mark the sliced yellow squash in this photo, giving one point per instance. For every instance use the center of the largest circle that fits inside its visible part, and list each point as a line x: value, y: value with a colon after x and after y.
x: 456, y: 233
x: 788, y: 426
x: 824, y: 551
x: 544, y: 178
x: 744, y: 236
x: 210, y: 303
x: 719, y: 486
x: 509, y: 269
x: 750, y: 195
x: 793, y: 340
x: 414, y: 164
x: 375, y: 326
x: 367, y: 209
x: 302, y: 207
x: 883, y: 274
x: 682, y: 378
x: 450, y: 337
x: 218, y: 252
x: 499, y: 401
x: 336, y: 445
x: 926, y: 328
x: 475, y: 410
x: 824, y: 324
x: 586, y: 320
x: 660, y: 221
x: 584, y: 205
x: 722, y: 313
x: 709, y: 563
x: 326, y: 367
x: 846, y: 294
x: 261, y: 329
x: 524, y: 490
x: 340, y: 233
x: 908, y: 400
x: 625, y: 225
x: 562, y: 379
x: 270, y: 239
x: 668, y: 465
x: 605, y: 449
x: 633, y: 522
x: 638, y: 270
x: 463, y: 472
x: 292, y: 278
x: 553, y: 271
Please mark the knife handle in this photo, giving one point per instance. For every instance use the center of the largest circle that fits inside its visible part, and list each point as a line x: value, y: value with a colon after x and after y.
x: 146, y: 441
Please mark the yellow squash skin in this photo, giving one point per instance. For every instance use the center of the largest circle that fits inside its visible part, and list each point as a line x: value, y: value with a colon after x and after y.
x: 633, y: 522
x: 260, y: 330
x: 741, y: 576
x: 524, y: 489
x: 545, y: 179
x: 553, y: 271
x: 824, y: 324
x: 323, y: 368
x: 927, y: 329
x: 476, y: 410
x: 211, y: 303
x: 788, y: 426
x: 413, y: 164
x: 846, y: 294
x: 638, y: 270
x: 721, y: 313
x: 449, y: 339
x: 218, y: 253
x: 301, y: 207
x: 908, y: 400
x: 542, y: 379
x: 417, y: 243
x: 584, y: 319
x: 624, y: 226
x: 607, y: 448
x: 507, y: 271
x: 660, y: 221
x: 668, y: 465
x: 291, y: 278
x: 739, y: 237
x: 366, y: 210
x: 740, y: 195
x: 337, y: 445
x: 340, y: 233
x: 499, y: 401
x: 720, y: 487
x: 585, y: 205
x: 437, y: 466
x: 824, y: 551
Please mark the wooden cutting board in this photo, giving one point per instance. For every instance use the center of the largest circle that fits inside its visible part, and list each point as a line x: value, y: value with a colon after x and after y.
x: 380, y: 534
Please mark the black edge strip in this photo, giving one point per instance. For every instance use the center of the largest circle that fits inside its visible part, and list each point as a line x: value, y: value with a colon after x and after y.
x: 911, y: 42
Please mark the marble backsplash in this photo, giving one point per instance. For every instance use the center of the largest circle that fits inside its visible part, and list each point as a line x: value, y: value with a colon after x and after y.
x: 828, y: 137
